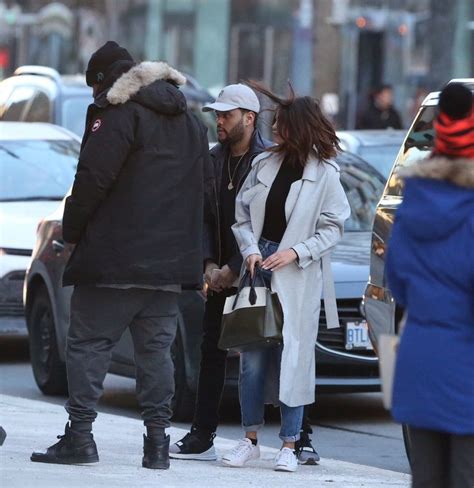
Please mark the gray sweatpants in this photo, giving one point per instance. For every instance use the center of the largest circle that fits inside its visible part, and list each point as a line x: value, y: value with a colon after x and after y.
x: 441, y: 460
x: 99, y: 317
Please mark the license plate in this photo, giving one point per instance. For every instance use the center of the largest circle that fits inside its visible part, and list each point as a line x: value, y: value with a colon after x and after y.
x: 357, y: 336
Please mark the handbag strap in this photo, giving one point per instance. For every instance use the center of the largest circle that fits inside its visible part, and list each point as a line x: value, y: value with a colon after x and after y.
x: 252, y: 282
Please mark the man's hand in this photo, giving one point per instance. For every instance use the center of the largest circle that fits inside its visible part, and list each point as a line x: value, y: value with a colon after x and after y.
x: 225, y: 279
x: 252, y: 260
x: 208, y: 276
x: 280, y: 259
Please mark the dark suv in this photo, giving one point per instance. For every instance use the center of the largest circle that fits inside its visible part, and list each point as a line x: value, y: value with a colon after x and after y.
x: 41, y: 94
x: 346, y: 361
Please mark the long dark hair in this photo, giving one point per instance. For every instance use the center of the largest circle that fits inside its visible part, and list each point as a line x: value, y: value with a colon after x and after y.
x: 302, y: 126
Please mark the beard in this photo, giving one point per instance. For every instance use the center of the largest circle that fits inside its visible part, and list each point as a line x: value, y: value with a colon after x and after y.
x: 235, y: 135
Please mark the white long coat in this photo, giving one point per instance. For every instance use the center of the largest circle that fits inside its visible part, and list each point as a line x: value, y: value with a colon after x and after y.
x: 315, y: 209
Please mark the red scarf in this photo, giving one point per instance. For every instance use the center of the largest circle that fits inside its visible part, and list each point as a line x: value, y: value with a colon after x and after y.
x: 455, y: 137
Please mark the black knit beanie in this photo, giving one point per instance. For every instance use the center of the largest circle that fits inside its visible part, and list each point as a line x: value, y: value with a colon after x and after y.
x: 455, y: 101
x: 103, y: 59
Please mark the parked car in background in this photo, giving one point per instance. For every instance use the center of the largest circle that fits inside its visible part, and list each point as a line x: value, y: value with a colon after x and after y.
x: 41, y: 94
x: 346, y: 361
x: 37, y: 167
x: 378, y: 147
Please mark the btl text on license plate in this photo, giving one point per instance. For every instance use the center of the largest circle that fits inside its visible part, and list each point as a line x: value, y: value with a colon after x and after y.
x: 357, y: 336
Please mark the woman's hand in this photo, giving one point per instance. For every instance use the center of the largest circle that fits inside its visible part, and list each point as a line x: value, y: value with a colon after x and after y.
x: 280, y: 259
x: 252, y: 260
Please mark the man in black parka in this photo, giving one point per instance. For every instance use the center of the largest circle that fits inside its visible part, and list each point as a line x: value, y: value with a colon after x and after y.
x: 135, y: 214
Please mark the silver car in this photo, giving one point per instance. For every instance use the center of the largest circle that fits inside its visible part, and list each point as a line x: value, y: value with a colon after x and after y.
x: 378, y: 147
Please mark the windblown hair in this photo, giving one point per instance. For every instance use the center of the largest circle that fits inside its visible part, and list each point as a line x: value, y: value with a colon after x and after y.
x: 302, y: 126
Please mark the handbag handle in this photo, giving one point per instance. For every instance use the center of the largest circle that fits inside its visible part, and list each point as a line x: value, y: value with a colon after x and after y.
x: 244, y: 280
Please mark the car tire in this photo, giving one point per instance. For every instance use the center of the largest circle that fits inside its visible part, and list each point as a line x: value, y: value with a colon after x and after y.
x: 48, y: 368
x: 407, y: 441
x: 184, y: 399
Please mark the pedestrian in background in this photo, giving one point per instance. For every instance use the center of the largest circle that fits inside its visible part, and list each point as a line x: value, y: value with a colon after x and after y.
x: 290, y: 214
x: 236, y: 110
x: 430, y: 271
x: 380, y: 113
x: 135, y: 215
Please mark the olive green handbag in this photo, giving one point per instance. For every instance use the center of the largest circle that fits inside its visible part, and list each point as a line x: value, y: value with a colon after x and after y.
x: 253, y: 318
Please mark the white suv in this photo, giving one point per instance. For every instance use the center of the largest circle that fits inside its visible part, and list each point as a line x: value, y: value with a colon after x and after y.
x: 37, y: 167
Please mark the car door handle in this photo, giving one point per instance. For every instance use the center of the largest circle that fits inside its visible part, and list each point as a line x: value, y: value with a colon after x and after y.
x: 58, y: 245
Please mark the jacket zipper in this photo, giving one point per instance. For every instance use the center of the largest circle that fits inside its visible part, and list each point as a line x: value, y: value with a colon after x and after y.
x: 219, y: 257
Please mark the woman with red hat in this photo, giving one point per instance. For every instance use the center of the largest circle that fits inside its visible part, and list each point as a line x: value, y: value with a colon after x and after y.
x: 430, y: 271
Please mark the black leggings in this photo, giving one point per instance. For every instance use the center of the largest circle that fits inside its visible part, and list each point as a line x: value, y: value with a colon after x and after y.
x: 441, y: 460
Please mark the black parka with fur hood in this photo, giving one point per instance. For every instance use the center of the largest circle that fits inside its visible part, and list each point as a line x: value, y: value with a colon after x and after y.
x: 135, y: 211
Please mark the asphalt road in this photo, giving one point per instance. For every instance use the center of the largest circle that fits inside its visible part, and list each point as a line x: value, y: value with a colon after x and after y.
x: 347, y: 427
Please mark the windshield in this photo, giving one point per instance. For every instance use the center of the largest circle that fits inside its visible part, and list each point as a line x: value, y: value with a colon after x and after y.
x: 74, y: 114
x: 363, y: 186
x: 37, y: 170
x: 418, y: 146
x: 380, y: 157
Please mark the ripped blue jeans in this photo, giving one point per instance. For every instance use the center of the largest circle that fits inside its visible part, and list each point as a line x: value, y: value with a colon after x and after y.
x: 253, y: 368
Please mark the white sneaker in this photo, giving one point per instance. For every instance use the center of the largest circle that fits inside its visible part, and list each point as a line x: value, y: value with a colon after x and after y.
x: 243, y: 452
x: 286, y: 461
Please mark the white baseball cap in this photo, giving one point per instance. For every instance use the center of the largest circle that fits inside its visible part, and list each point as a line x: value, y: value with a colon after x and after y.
x: 232, y: 97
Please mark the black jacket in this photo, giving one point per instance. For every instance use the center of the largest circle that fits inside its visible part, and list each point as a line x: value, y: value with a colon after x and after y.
x: 135, y: 211
x: 213, y: 247
x: 374, y: 118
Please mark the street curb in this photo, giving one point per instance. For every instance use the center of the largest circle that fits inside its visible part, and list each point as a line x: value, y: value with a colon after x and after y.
x: 32, y: 425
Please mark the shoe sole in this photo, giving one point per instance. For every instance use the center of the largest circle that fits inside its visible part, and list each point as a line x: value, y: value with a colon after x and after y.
x: 156, y: 466
x: 229, y: 463
x: 284, y: 469
x: 46, y: 460
x: 309, y: 462
x: 209, y: 455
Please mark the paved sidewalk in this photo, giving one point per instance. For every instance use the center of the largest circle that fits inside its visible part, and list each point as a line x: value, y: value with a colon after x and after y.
x: 33, y: 425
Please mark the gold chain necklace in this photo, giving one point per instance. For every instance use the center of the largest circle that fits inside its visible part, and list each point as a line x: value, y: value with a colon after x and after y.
x: 230, y: 186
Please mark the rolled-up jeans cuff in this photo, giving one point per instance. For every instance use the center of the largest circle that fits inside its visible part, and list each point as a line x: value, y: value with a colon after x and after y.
x: 290, y: 438
x: 252, y: 428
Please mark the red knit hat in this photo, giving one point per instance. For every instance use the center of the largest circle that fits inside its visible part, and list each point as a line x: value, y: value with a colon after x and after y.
x: 454, y: 125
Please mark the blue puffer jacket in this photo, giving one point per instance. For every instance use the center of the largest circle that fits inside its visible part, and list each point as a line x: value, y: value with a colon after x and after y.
x: 430, y: 270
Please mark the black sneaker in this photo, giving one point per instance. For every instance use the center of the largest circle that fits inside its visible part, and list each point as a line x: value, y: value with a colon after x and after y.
x: 305, y: 452
x: 73, y: 448
x: 195, y: 445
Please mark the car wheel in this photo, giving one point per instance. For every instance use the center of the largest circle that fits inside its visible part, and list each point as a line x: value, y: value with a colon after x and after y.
x: 407, y: 441
x: 48, y: 368
x: 184, y: 398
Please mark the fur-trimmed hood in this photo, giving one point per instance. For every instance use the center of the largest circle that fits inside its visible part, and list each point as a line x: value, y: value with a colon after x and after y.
x: 457, y: 171
x: 152, y: 84
x: 432, y: 209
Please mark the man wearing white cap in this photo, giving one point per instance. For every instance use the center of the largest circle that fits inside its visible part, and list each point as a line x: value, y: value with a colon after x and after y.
x: 236, y: 110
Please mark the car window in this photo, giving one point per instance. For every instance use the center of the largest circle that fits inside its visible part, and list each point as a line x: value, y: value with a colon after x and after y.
x: 363, y: 186
x: 380, y: 157
x: 33, y: 169
x: 74, y: 111
x: 40, y: 109
x: 418, y: 145
x: 17, y: 103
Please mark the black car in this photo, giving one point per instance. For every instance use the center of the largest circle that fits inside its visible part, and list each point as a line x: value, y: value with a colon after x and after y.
x: 41, y: 94
x: 344, y: 363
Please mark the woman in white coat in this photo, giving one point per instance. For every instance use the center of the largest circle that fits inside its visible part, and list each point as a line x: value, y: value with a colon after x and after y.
x: 290, y: 214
